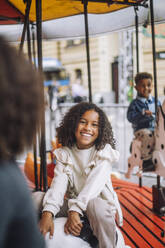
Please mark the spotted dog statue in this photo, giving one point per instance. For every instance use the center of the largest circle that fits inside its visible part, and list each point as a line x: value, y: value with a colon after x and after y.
x: 155, y: 142
x: 159, y: 151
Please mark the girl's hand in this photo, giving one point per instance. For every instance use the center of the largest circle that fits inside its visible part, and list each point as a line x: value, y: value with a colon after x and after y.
x: 73, y: 225
x: 46, y: 224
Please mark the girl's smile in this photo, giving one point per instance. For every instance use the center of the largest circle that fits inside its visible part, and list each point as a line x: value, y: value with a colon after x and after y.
x: 87, y: 130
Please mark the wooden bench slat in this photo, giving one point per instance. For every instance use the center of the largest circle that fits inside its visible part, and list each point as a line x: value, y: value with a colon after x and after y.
x: 141, y: 223
x: 127, y: 239
x: 135, y: 240
x: 147, y: 211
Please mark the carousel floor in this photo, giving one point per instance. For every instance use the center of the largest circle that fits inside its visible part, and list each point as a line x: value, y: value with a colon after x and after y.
x: 142, y: 227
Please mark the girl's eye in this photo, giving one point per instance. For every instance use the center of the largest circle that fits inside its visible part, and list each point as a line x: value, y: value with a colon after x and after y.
x: 82, y: 121
x: 95, y: 125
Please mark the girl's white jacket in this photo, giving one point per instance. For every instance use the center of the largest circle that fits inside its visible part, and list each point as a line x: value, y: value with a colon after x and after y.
x: 82, y: 175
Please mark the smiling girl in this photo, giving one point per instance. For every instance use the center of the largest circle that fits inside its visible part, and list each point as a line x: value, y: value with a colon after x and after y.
x: 82, y: 175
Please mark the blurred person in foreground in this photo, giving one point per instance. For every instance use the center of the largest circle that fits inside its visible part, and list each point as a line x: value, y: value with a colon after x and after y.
x: 20, y: 108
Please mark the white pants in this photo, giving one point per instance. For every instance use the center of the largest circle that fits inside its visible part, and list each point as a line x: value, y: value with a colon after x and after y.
x: 101, y: 219
x: 102, y: 222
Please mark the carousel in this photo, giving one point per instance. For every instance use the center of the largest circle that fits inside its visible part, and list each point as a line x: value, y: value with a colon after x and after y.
x: 143, y: 207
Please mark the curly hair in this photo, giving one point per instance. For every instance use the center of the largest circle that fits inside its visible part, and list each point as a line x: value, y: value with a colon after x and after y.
x: 67, y: 128
x: 20, y: 101
x: 142, y: 75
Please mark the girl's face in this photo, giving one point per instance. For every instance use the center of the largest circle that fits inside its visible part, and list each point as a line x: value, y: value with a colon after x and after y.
x: 87, y: 129
x: 144, y: 87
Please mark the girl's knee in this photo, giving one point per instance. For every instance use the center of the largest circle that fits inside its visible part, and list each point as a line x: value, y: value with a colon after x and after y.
x: 100, y: 209
x: 93, y: 205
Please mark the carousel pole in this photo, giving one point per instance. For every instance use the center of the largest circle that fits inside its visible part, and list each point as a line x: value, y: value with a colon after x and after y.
x: 27, y: 11
x: 157, y: 190
x: 35, y: 140
x: 43, y: 170
x: 154, y: 64
x: 29, y: 42
x: 154, y: 52
x: 137, y: 58
x: 85, y: 2
x: 137, y: 39
x: 26, y: 28
x: 33, y: 45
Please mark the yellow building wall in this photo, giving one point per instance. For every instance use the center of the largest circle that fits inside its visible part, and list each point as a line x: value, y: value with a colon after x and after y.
x: 103, y: 50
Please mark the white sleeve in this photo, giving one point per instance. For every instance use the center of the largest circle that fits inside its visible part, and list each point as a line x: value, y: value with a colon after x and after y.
x: 54, y: 197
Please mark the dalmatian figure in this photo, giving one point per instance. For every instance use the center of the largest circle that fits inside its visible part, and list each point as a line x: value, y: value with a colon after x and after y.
x: 159, y: 151
x: 141, y: 152
x: 135, y: 158
x: 155, y: 161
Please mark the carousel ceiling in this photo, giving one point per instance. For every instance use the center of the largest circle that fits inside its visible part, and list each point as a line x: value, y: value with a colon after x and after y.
x: 54, y: 9
x: 64, y: 19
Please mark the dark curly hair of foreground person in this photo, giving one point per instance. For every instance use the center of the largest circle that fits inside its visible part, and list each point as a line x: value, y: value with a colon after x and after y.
x: 20, y: 101
x: 67, y: 128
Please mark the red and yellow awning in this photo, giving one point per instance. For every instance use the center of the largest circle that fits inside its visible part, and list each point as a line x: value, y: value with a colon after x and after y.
x: 53, y: 9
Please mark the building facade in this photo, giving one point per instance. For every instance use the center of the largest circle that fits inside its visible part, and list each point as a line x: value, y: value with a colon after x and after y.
x: 112, y: 61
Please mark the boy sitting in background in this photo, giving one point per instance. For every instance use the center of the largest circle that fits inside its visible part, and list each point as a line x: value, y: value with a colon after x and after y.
x: 141, y: 113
